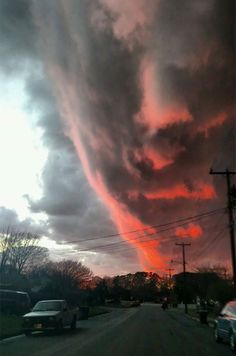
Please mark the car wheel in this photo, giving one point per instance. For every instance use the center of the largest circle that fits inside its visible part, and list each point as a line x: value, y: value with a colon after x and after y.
x: 232, y: 342
x: 216, y: 333
x: 73, y: 323
x: 59, y: 327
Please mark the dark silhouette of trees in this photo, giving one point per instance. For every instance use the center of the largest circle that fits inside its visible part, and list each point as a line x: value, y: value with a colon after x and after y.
x: 20, y: 251
x: 137, y: 286
x: 24, y: 265
x: 208, y: 282
x: 99, y: 288
x: 220, y: 270
x: 65, y: 279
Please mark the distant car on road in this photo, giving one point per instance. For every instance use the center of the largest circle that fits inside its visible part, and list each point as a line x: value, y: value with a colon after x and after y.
x: 225, y: 325
x: 50, y: 315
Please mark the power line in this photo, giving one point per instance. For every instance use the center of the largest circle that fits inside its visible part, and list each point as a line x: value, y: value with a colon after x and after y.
x: 111, y: 245
x: 144, y: 236
x: 217, y: 227
x: 210, y: 243
x: 188, y: 219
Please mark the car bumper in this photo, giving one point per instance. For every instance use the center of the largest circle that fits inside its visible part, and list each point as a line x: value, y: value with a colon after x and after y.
x: 41, y: 326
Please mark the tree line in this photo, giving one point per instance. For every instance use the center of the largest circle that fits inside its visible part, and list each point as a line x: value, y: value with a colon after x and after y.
x: 24, y: 265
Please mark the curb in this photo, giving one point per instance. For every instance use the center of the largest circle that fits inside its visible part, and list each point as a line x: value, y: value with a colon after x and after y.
x: 210, y: 323
x: 11, y: 338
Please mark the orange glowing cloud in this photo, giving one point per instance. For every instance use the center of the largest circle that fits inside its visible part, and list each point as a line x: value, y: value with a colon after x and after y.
x: 148, y: 253
x: 158, y: 161
x: 149, y: 256
x: 194, y: 231
x: 211, y: 123
x: 153, y: 114
x: 100, y: 143
x: 129, y: 80
x: 203, y: 191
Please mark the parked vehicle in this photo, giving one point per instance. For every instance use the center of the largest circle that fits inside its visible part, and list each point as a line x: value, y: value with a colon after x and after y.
x: 50, y: 315
x: 225, y: 325
x: 14, y: 302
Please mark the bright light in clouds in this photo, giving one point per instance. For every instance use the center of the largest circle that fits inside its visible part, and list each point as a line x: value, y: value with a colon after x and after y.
x: 55, y: 247
x: 21, y: 155
x: 59, y: 251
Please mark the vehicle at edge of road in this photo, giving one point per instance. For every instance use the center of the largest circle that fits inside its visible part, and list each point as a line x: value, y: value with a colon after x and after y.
x: 14, y: 302
x: 49, y: 315
x: 225, y: 325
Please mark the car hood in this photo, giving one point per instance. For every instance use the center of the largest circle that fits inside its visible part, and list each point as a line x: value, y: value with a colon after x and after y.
x: 41, y: 314
x: 232, y: 318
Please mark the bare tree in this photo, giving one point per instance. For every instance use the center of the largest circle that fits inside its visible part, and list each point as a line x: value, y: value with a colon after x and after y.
x: 64, y: 279
x: 218, y: 269
x: 20, y: 250
x: 69, y: 273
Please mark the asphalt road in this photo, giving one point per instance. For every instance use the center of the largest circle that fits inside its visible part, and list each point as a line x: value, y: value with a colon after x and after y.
x: 142, y: 331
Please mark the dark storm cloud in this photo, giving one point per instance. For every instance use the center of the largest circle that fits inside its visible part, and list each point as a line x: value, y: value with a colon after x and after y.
x: 10, y: 220
x: 191, y: 48
x: 17, y: 34
x: 112, y: 71
x: 72, y: 208
x: 197, y: 66
x: 102, y: 57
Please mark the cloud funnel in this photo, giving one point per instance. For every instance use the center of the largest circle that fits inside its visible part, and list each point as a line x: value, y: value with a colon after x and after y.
x: 147, y: 95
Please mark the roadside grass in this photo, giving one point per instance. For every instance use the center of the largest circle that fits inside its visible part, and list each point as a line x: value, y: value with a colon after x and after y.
x: 193, y: 312
x: 10, y: 325
x: 211, y: 314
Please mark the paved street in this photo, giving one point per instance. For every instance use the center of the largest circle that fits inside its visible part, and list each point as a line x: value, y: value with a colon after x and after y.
x: 143, y: 331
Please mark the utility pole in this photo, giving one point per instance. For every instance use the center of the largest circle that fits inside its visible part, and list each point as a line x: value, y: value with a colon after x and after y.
x: 230, y: 206
x: 169, y: 276
x: 184, y: 274
x: 170, y: 270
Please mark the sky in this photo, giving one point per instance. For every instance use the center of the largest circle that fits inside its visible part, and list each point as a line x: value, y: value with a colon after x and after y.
x: 112, y: 113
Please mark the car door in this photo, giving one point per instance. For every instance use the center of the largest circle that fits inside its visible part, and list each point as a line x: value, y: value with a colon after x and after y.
x: 66, y: 314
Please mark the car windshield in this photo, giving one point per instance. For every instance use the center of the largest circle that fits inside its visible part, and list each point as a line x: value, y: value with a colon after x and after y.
x: 47, y: 306
x: 231, y: 310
